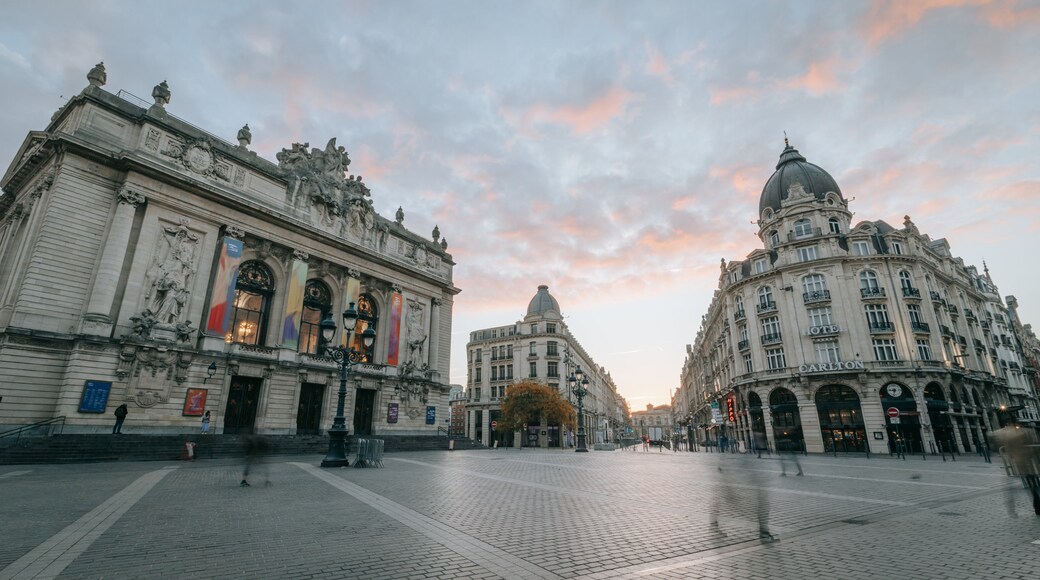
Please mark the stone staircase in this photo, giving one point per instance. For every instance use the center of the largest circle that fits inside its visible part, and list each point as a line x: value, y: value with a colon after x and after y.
x: 106, y: 447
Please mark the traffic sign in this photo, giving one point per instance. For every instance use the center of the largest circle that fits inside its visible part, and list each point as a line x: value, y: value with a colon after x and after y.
x: 893, y: 420
x: 893, y: 412
x: 494, y: 424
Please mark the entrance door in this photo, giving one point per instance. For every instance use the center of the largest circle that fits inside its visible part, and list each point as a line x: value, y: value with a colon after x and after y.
x: 364, y: 401
x: 243, y: 399
x: 308, y: 413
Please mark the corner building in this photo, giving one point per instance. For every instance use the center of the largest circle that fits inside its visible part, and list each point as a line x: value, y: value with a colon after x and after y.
x: 540, y: 348
x: 836, y: 336
x: 146, y: 261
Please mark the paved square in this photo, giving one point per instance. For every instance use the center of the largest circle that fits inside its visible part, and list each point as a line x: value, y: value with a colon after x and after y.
x: 511, y: 513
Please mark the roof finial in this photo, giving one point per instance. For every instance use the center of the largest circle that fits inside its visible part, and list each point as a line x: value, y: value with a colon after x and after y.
x: 985, y: 268
x: 786, y: 144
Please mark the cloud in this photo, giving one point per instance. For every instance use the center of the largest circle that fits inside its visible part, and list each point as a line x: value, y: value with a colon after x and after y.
x: 581, y: 118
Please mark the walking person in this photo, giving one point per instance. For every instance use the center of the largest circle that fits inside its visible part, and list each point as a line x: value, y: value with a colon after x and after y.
x: 205, y: 423
x: 1022, y: 450
x: 121, y: 412
x: 794, y: 457
x: 254, y: 446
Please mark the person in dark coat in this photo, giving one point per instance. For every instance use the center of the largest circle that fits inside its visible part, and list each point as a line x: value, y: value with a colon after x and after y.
x: 255, y: 447
x: 121, y: 412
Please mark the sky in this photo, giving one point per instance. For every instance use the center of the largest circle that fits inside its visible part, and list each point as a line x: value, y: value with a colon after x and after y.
x: 613, y: 150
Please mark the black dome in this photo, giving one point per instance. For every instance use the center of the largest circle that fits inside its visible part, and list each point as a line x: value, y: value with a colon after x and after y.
x: 793, y: 168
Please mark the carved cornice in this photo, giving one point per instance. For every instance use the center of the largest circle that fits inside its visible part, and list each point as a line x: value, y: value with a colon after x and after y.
x: 130, y: 197
x: 234, y: 232
x: 300, y: 255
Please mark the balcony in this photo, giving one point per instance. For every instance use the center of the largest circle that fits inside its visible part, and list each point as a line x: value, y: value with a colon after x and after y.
x: 952, y: 309
x: 909, y: 292
x: 816, y: 296
x: 771, y: 338
x: 804, y: 235
x: 978, y: 344
x: 935, y: 296
x: 884, y: 326
x: 764, y: 307
x: 872, y: 293
x: 920, y: 327
x: 743, y: 345
x: 969, y: 314
x: 946, y: 330
x: 739, y: 315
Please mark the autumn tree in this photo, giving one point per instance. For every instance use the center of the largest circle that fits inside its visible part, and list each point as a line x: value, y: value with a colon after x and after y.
x: 528, y: 401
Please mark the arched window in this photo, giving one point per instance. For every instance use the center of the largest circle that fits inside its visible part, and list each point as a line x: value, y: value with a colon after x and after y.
x: 814, y: 283
x: 834, y: 225
x: 317, y: 306
x: 802, y: 228
x: 774, y: 238
x: 905, y: 281
x: 738, y: 302
x: 249, y: 311
x: 765, y: 296
x: 868, y: 281
x: 368, y: 316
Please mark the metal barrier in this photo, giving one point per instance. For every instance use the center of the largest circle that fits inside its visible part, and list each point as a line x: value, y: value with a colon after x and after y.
x: 369, y: 453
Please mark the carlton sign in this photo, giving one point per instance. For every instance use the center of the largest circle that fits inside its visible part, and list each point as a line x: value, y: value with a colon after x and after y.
x: 834, y: 366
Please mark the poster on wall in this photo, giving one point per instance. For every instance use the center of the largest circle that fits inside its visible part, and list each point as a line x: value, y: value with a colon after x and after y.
x: 294, y: 306
x: 396, y: 303
x: 224, y: 287
x: 431, y: 415
x: 391, y: 413
x: 95, y: 396
x: 195, y: 403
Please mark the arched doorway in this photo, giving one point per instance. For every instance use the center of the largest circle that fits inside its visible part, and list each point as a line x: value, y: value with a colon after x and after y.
x: 841, y: 419
x: 906, y: 428
x: 942, y: 429
x: 787, y: 421
x: 756, y: 417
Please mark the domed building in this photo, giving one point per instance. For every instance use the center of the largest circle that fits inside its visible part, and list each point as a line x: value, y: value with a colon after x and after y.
x: 539, y: 347
x: 852, y: 337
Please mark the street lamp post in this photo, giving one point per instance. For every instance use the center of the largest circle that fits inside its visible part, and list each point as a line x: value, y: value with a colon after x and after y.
x: 347, y: 357
x: 580, y: 387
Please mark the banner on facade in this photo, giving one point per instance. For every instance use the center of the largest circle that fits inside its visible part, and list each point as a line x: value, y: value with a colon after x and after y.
x: 396, y: 303
x: 716, y: 413
x: 294, y: 305
x: 352, y: 294
x: 224, y: 282
x: 95, y: 396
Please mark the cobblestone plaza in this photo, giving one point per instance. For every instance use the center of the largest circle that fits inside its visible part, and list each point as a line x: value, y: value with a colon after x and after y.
x: 518, y: 513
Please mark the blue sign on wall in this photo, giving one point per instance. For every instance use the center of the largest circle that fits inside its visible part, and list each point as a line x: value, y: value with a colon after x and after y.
x: 95, y: 397
x: 431, y: 415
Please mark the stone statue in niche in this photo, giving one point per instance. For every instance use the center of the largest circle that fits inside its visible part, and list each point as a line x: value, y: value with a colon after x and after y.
x: 416, y: 326
x: 169, y: 278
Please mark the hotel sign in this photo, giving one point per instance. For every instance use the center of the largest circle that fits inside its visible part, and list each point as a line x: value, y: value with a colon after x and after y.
x: 823, y: 330
x: 834, y: 366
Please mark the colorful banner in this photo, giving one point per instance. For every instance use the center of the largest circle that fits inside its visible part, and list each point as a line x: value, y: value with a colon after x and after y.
x: 294, y: 305
x: 396, y: 304
x: 351, y: 294
x: 223, y: 293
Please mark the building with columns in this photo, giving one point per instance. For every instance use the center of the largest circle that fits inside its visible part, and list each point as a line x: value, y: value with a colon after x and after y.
x: 145, y: 261
x: 834, y: 335
x: 539, y: 347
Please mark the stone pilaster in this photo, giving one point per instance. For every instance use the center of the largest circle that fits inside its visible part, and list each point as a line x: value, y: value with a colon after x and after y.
x: 435, y: 335
x: 98, y: 320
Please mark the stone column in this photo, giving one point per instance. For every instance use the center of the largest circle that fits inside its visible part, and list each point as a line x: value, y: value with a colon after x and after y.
x: 434, y: 334
x: 767, y: 421
x: 810, y: 418
x: 31, y: 213
x: 97, y: 320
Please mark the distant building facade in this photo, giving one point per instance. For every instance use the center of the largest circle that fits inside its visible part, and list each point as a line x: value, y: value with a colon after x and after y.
x: 541, y: 348
x: 657, y: 422
x: 843, y: 336
x: 145, y: 261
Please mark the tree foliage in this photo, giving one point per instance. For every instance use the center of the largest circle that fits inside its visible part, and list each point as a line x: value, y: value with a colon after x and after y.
x: 528, y: 401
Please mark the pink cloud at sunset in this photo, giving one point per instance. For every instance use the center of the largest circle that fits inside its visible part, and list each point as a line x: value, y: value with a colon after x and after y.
x: 820, y: 78
x: 891, y: 18
x: 582, y: 118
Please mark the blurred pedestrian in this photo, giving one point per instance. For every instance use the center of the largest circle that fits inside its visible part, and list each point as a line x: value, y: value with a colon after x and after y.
x: 205, y: 423
x: 1022, y: 451
x: 761, y: 444
x: 790, y: 449
x: 254, y: 447
x: 726, y: 485
x: 121, y: 412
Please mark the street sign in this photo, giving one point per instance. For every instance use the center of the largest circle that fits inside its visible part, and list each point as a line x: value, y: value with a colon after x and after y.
x: 893, y: 420
x: 494, y: 424
x: 893, y: 412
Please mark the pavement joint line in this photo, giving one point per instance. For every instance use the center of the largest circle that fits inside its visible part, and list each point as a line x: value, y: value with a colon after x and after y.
x: 51, y: 557
x: 938, y: 462
x: 493, y: 559
x: 15, y: 473
x: 582, y: 494
x: 899, y: 481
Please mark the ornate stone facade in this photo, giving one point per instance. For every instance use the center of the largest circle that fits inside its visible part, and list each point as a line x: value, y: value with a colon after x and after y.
x: 111, y: 276
x: 835, y: 336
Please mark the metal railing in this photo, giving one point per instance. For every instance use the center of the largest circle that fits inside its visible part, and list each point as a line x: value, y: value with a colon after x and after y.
x: 910, y: 292
x: 13, y: 436
x: 816, y: 296
x: 369, y: 453
x: 872, y: 292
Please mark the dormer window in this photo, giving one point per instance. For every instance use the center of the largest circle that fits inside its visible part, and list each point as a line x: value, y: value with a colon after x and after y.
x: 760, y: 265
x: 860, y: 248
x: 834, y: 225
x: 774, y: 239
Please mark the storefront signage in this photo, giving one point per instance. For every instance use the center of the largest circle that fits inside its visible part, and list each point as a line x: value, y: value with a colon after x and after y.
x: 822, y: 330
x: 835, y: 366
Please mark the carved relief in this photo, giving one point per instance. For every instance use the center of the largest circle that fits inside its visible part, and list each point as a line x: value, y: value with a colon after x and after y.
x: 240, y: 177
x: 129, y: 197
x: 168, y: 282
x: 234, y: 232
x: 197, y: 155
x: 151, y: 141
x: 150, y: 378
